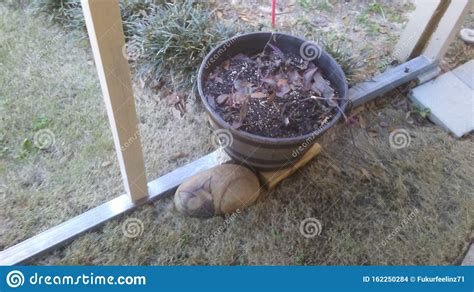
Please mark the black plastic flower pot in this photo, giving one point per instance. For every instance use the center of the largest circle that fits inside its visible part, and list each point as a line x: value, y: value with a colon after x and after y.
x: 258, y: 151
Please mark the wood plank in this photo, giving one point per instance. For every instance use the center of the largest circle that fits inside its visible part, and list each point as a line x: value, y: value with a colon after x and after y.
x: 104, y: 25
x: 447, y: 29
x: 418, y: 29
x: 94, y: 218
x: 270, y: 179
x: 390, y: 79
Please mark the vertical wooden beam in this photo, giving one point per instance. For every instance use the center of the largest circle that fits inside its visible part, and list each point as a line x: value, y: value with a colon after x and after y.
x: 430, y: 28
x: 447, y: 29
x: 104, y: 25
x: 419, y: 28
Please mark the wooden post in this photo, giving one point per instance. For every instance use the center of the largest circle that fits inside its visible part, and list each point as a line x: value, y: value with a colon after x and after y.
x: 419, y: 28
x: 447, y: 29
x: 104, y: 25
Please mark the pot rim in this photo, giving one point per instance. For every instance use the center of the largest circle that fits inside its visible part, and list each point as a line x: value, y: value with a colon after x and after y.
x: 256, y: 138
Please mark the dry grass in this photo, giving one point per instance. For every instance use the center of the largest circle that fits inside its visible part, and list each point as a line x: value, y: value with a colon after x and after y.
x: 431, y: 176
x: 360, y: 194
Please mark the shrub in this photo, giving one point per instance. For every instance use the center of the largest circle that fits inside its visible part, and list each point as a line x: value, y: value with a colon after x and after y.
x: 168, y: 37
x: 175, y: 38
x: 69, y: 12
x: 341, y: 50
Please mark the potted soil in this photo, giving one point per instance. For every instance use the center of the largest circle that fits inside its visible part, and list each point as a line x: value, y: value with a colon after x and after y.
x: 271, y: 95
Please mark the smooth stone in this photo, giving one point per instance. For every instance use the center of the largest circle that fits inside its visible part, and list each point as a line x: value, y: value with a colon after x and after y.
x: 220, y: 190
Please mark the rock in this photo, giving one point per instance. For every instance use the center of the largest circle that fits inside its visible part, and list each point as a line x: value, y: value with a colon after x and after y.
x: 220, y: 190
x: 383, y: 124
x: 106, y: 164
x: 467, y: 35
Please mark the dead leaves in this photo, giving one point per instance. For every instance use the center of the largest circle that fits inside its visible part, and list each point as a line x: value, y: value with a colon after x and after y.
x: 269, y: 87
x: 308, y: 78
x: 221, y: 99
x: 295, y: 78
x: 277, y: 84
x: 244, y: 109
x: 178, y: 101
x: 226, y: 64
x: 178, y: 155
x: 283, y: 87
x: 258, y: 94
x: 322, y: 86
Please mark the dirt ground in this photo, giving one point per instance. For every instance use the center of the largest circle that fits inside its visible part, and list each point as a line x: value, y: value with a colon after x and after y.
x: 377, y: 205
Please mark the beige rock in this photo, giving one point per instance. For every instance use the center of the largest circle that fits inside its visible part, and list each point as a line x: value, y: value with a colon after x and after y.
x: 220, y: 190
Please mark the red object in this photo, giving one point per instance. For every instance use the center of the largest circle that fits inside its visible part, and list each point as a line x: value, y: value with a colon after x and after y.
x: 273, y: 12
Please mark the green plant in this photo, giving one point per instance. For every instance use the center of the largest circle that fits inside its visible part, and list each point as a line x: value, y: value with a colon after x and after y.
x: 69, y: 12
x: 324, y: 5
x: 136, y: 10
x: 362, y: 18
x: 376, y: 8
x: 318, y: 4
x: 371, y: 26
x: 306, y: 4
x: 184, y: 240
x: 26, y: 148
x: 340, y: 49
x: 173, y: 40
x: 396, y: 17
x: 41, y: 123
x: 421, y: 111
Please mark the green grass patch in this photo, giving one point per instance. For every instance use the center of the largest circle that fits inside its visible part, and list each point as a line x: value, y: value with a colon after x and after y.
x: 323, y: 5
x: 41, y: 123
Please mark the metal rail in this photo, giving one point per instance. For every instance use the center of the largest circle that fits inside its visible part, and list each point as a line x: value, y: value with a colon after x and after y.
x: 72, y: 228
x: 389, y: 80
